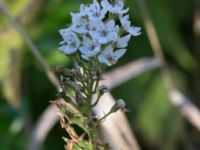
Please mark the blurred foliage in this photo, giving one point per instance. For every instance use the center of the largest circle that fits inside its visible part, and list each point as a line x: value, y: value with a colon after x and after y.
x: 25, y: 90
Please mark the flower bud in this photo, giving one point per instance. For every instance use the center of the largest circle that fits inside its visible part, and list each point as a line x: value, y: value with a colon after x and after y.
x: 67, y: 72
x: 119, y: 104
x: 79, y: 98
x: 65, y: 80
x: 91, y: 120
x: 103, y: 89
x: 58, y: 69
x: 62, y: 92
x: 62, y: 70
x: 98, y: 73
x: 75, y: 72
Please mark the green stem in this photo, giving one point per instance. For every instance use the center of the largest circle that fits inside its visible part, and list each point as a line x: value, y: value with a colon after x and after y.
x: 93, y: 134
x: 90, y: 86
x: 106, y: 115
x: 97, y: 100
x: 96, y: 86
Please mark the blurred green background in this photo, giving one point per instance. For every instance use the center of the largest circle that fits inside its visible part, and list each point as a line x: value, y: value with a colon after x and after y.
x: 25, y: 91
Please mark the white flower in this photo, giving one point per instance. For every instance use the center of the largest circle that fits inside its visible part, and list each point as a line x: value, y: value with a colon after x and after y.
x: 95, y: 12
x: 126, y: 24
x: 105, y: 32
x: 115, y: 7
x: 92, y: 29
x: 81, y: 24
x: 123, y: 41
x: 70, y: 42
x: 109, y: 57
x: 89, y: 48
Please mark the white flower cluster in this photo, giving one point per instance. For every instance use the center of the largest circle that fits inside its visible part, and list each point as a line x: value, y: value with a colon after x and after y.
x: 95, y: 33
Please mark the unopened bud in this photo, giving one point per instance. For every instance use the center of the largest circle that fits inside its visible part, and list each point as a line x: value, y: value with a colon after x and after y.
x: 98, y: 73
x: 75, y: 72
x: 79, y: 87
x: 62, y: 92
x: 62, y: 70
x: 103, y: 89
x: 119, y: 104
x: 92, y: 120
x: 67, y: 72
x: 58, y: 69
x: 79, y: 98
x: 64, y: 80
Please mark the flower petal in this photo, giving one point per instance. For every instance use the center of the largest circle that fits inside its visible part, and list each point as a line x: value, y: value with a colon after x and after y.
x: 103, y: 60
x: 108, y: 50
x: 119, y: 53
x: 110, y: 24
x: 135, y: 31
x: 106, y: 5
x: 123, y: 42
x: 67, y: 50
x: 85, y: 57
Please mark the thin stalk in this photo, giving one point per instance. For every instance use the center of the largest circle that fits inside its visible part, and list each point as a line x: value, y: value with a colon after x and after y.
x: 97, y: 100
x: 104, y: 117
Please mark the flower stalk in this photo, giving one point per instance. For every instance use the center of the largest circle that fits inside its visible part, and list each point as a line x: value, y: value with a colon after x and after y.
x: 97, y: 37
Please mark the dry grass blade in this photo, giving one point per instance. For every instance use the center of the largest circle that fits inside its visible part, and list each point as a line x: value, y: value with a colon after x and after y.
x: 129, y: 71
x: 31, y: 46
x: 186, y: 107
x: 115, y: 130
x: 43, y: 126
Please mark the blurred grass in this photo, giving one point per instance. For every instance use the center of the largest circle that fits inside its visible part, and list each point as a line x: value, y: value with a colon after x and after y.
x: 24, y: 85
